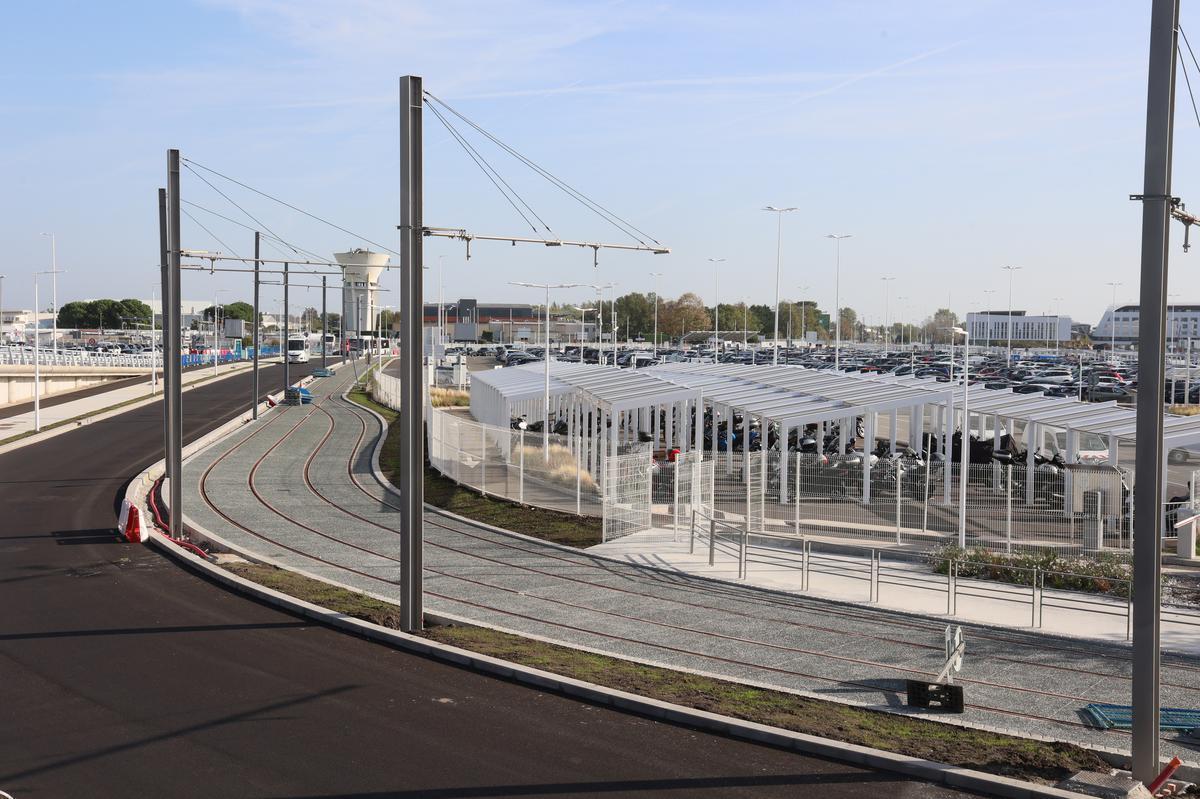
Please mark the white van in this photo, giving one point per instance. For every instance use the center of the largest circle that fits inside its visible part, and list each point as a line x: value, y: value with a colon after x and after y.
x: 297, y: 349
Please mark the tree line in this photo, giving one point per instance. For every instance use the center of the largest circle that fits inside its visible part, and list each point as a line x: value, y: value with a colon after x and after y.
x: 688, y: 314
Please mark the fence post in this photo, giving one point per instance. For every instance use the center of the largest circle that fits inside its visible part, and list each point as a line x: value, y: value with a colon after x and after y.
x: 796, y: 494
x: 675, y: 502
x: 1008, y: 515
x: 579, y: 483
x: 898, y: 516
x: 521, y: 470
x: 742, y: 551
x: 482, y: 460
x: 925, y: 515
x: 712, y: 541
x: 692, y: 534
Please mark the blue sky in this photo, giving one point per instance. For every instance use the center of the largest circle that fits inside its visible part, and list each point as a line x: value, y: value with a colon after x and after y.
x: 950, y: 138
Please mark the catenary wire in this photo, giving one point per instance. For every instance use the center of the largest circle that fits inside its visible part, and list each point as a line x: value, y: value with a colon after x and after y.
x: 621, y: 224
x: 489, y: 172
x: 289, y: 205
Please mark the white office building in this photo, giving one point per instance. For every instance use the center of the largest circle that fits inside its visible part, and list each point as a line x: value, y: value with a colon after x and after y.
x: 1120, y: 325
x: 993, y: 328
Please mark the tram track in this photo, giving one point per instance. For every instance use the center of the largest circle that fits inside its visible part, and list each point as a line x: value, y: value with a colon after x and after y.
x: 356, y: 450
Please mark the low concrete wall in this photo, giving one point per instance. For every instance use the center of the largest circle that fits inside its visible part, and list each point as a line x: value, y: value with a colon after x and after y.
x: 16, y: 382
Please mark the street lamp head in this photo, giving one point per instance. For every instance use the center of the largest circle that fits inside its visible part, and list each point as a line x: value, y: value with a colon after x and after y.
x: 780, y: 210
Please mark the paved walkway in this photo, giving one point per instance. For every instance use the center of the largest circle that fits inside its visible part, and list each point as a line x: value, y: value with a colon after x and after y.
x: 901, y: 582
x: 315, y: 507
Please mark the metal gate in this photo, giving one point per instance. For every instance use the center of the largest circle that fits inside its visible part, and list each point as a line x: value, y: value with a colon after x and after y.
x: 627, y: 495
x: 756, y: 492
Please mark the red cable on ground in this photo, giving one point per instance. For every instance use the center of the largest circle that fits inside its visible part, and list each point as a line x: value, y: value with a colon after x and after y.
x: 162, y: 525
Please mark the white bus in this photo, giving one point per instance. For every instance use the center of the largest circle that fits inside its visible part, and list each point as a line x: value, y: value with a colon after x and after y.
x: 297, y: 349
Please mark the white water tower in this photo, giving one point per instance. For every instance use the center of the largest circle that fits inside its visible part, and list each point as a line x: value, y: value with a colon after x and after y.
x: 360, y: 281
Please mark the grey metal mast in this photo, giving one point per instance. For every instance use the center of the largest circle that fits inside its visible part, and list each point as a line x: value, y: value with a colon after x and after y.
x: 412, y: 401
x: 324, y: 326
x: 257, y: 341
x: 164, y: 292
x: 287, y: 372
x: 171, y: 353
x: 1148, y: 491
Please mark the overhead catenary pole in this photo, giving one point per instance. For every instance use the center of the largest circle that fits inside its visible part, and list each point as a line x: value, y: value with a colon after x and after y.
x: 324, y: 326
x: 163, y: 294
x: 1148, y: 490
x: 171, y: 352
x: 412, y: 455
x: 283, y: 349
x: 257, y: 341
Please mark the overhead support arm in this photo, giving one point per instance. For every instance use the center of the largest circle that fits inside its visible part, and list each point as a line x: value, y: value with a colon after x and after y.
x: 465, y: 235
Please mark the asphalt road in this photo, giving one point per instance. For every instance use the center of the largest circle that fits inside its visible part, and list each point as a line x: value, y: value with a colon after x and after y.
x: 126, y: 675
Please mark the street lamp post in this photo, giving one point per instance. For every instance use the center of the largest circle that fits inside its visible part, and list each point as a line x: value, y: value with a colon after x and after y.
x: 887, y: 285
x: 779, y: 212
x: 37, y: 352
x: 837, y: 293
x: 583, y: 312
x: 1008, y: 327
x: 716, y: 310
x: 988, y: 318
x: 656, y: 276
x: 54, y: 291
x: 546, y: 426
x: 803, y: 315
x: 1112, y: 354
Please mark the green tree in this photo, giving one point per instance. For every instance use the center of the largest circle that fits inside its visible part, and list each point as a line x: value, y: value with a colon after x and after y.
x: 936, y: 326
x: 849, y: 323
x: 762, y: 319
x: 134, y: 311
x: 238, y: 310
x: 683, y: 315
x: 636, y: 312
x: 74, y: 314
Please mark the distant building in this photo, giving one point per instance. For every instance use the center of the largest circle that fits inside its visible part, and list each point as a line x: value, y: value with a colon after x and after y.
x: 1119, y: 324
x: 470, y: 320
x: 993, y: 327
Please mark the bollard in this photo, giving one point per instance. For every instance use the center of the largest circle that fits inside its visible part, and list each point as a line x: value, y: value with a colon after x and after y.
x: 712, y: 541
x: 521, y: 470
x: 804, y: 550
x: 742, y: 551
x: 1033, y: 599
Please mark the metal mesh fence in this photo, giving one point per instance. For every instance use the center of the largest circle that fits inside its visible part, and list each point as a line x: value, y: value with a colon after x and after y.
x: 519, y: 465
x: 627, y: 495
x: 908, y: 502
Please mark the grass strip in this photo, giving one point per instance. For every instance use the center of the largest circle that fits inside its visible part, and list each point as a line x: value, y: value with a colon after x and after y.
x: 444, y: 493
x: 994, y: 753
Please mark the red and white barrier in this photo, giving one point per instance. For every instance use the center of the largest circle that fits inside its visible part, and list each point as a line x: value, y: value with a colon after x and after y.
x: 129, y: 523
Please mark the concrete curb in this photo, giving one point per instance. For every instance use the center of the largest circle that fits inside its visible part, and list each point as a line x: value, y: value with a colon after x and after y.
x: 653, y: 708
x: 74, y: 423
